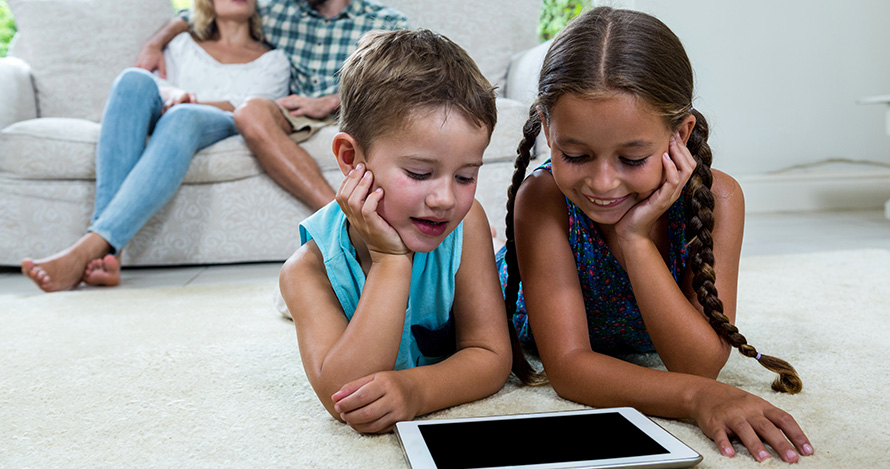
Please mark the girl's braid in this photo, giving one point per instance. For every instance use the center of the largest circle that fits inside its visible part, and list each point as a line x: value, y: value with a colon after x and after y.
x: 700, y: 206
x: 530, y: 130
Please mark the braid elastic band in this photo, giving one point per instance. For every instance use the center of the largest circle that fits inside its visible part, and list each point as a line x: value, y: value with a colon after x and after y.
x: 757, y: 357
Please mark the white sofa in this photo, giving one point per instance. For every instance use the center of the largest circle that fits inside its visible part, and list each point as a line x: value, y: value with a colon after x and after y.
x: 53, y: 86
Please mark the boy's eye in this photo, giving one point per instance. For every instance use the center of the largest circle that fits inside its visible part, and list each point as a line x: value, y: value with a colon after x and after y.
x: 418, y: 176
x: 465, y: 180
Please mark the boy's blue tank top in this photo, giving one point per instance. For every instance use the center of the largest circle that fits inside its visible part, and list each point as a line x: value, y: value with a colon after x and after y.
x: 428, y: 335
x: 614, y: 323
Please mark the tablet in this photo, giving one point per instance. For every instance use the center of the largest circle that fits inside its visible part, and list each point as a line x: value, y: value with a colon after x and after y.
x: 617, y: 437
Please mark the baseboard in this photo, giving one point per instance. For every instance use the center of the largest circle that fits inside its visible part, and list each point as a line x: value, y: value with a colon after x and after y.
x: 817, y: 191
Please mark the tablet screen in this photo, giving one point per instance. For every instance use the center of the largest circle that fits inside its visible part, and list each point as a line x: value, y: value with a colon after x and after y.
x: 527, y: 441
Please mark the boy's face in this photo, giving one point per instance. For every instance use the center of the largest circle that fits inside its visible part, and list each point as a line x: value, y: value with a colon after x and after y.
x: 428, y: 172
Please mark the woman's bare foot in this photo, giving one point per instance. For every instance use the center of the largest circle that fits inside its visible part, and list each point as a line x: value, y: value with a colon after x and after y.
x: 103, y: 272
x: 64, y: 269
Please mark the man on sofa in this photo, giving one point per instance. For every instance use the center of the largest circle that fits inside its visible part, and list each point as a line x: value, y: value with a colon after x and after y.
x: 317, y: 36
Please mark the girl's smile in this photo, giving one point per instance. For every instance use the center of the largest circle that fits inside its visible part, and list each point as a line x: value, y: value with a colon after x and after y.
x: 606, y: 153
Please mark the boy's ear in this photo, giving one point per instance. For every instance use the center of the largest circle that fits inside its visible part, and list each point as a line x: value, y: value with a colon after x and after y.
x: 686, y: 127
x: 347, y: 152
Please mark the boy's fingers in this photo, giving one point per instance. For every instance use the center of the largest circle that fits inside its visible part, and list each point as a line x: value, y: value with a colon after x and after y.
x: 351, y: 387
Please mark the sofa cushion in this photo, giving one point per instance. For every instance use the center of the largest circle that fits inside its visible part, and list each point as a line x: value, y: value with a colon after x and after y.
x: 106, y: 36
x: 61, y: 148
x: 491, y: 31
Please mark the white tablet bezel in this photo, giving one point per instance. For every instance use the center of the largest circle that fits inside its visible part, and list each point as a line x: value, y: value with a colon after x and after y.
x: 679, y: 454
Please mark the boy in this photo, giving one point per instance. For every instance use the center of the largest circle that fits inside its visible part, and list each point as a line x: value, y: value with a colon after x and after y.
x: 394, y: 292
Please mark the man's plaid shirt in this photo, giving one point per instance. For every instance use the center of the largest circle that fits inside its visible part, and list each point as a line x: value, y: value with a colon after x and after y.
x: 318, y: 46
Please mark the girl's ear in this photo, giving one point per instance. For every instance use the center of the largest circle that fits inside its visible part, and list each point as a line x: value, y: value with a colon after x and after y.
x: 347, y: 152
x: 686, y: 127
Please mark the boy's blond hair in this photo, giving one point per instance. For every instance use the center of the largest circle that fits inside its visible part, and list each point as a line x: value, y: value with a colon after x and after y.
x: 394, y: 73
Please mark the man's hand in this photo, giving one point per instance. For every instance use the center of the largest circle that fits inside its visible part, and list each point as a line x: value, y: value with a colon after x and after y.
x: 316, y: 108
x: 151, y: 58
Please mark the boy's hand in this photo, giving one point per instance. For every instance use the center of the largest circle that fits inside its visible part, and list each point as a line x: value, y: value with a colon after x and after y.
x: 375, y: 403
x: 360, y: 208
x: 722, y: 411
x: 152, y: 58
x: 678, y: 167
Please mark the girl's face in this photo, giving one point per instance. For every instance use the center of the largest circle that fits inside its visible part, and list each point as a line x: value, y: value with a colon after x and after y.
x: 428, y: 173
x: 606, y: 153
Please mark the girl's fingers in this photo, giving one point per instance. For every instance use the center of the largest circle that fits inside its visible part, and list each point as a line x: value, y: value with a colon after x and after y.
x: 721, y: 439
x: 792, y: 431
x: 751, y: 440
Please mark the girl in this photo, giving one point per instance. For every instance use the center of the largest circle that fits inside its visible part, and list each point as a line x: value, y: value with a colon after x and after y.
x: 210, y: 71
x: 640, y: 235
x: 394, y: 291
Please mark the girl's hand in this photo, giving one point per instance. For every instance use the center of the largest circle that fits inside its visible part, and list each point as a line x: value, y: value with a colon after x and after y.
x: 375, y: 403
x: 678, y: 167
x: 360, y: 208
x: 722, y: 411
x: 184, y: 97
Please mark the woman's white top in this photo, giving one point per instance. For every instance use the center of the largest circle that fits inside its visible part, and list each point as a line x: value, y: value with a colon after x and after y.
x: 190, y: 68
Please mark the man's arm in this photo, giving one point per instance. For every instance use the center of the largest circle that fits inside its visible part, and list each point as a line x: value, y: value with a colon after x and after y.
x: 151, y: 57
x: 316, y: 108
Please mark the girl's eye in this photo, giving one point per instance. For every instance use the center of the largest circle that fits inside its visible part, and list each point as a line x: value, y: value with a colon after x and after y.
x: 634, y: 162
x: 465, y: 180
x: 418, y: 176
x: 572, y: 159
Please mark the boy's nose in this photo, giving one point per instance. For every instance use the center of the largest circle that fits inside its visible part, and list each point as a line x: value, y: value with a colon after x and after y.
x: 442, y: 197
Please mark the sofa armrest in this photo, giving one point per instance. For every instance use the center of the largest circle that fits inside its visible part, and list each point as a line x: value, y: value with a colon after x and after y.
x: 18, y: 99
x: 523, y: 72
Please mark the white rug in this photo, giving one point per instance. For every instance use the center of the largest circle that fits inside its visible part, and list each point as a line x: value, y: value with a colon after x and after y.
x: 211, y: 376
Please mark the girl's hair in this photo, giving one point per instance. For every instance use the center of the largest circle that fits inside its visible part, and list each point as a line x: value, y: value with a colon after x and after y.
x: 202, y: 21
x: 605, y: 52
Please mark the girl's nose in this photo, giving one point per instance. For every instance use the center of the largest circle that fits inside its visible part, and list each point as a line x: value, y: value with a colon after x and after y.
x: 604, y: 178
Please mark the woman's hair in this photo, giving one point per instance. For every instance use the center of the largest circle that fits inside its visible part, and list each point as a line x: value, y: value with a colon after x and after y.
x: 605, y: 52
x: 202, y: 21
x: 392, y: 74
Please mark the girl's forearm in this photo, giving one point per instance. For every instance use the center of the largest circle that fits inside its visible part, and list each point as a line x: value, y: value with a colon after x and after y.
x: 602, y: 381
x: 682, y: 336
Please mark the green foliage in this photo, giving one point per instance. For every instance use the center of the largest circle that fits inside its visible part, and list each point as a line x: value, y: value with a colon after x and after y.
x: 7, y: 27
x: 555, y: 14
x: 181, y: 4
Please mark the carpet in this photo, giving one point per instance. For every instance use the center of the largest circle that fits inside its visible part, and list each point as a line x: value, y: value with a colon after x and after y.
x: 211, y: 376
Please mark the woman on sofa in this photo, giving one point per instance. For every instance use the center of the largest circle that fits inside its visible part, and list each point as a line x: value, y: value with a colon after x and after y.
x: 211, y: 69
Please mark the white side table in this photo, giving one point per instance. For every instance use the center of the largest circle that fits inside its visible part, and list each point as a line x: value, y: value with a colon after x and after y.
x: 885, y: 100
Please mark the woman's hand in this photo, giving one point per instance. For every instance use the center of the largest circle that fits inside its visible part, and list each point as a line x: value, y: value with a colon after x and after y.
x: 375, y: 403
x: 678, y: 166
x: 722, y: 411
x: 184, y: 97
x: 360, y: 206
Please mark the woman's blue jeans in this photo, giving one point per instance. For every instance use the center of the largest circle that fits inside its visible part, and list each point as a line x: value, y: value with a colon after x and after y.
x: 134, y: 179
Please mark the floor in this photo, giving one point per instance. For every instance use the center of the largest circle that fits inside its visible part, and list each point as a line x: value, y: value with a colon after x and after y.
x: 765, y: 234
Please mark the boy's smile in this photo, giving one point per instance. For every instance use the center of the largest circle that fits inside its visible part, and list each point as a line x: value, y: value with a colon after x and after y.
x: 428, y: 173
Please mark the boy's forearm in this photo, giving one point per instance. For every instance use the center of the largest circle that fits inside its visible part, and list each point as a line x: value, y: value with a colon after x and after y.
x: 371, y: 340
x: 470, y: 374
